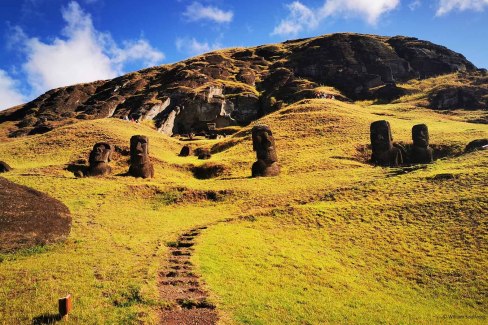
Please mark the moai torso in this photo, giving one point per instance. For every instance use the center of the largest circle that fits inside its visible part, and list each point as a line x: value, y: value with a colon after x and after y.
x: 140, y: 164
x: 421, y: 152
x: 264, y: 145
x: 100, y: 156
x: 384, y: 153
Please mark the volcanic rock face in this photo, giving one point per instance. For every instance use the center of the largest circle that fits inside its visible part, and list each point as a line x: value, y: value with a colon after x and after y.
x: 29, y: 217
x: 237, y: 86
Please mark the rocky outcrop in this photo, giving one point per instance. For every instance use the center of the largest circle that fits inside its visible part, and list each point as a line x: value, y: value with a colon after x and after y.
x: 466, y: 91
x: 236, y: 86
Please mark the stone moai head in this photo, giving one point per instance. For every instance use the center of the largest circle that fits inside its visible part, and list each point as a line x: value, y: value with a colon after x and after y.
x: 420, y: 135
x: 101, y: 153
x: 139, y: 150
x: 140, y: 164
x: 263, y: 143
x: 381, y: 138
x: 383, y: 151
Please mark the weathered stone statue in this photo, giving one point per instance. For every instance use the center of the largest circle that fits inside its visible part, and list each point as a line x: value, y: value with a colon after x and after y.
x: 384, y: 153
x: 421, y: 152
x: 140, y: 164
x: 4, y: 167
x: 264, y: 145
x: 99, y: 158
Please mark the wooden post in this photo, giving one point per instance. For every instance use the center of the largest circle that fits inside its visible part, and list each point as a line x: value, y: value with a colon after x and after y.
x: 65, y: 306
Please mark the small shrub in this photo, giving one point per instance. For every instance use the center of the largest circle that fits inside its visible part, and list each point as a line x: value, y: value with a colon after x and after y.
x: 209, y: 170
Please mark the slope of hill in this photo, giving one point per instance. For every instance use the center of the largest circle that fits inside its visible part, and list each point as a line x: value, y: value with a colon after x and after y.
x: 236, y: 86
x: 332, y: 239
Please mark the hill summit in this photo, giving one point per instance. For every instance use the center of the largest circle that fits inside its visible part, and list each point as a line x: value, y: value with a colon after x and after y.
x: 236, y: 86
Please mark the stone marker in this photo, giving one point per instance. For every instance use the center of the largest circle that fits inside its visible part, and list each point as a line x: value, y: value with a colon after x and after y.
x: 99, y: 158
x: 264, y: 145
x: 384, y: 153
x: 140, y: 164
x: 421, y: 152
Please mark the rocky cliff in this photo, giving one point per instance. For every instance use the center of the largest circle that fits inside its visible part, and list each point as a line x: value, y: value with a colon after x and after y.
x: 236, y: 86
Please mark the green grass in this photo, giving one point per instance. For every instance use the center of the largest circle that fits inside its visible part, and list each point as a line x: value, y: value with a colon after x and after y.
x: 333, y: 240
x: 400, y: 250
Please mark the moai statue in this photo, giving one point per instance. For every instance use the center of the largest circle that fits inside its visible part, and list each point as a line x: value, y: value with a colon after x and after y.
x: 264, y: 145
x: 140, y: 164
x: 384, y: 153
x: 421, y: 152
x: 99, y: 158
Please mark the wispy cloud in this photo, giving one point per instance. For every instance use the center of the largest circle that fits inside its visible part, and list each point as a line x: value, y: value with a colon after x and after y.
x: 196, y: 12
x: 81, y: 54
x: 414, y: 5
x: 193, y: 47
x: 302, y: 17
x: 9, y: 93
x: 446, y: 6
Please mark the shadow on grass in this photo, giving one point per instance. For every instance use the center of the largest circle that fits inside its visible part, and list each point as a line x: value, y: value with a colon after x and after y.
x: 46, y: 319
x: 234, y: 178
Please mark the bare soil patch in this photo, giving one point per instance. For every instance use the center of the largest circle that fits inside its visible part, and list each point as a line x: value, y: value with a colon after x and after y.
x: 29, y: 217
x: 180, y: 286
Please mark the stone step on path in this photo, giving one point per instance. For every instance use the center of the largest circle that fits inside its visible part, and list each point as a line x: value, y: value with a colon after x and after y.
x: 182, y: 287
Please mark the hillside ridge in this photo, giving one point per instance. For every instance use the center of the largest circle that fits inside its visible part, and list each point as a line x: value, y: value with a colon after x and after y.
x: 238, y: 85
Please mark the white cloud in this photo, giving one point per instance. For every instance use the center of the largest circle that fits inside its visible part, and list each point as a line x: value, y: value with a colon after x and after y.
x: 9, y: 95
x: 446, y: 6
x: 414, y: 5
x: 193, y: 47
x: 302, y: 17
x: 196, y: 11
x: 83, y: 54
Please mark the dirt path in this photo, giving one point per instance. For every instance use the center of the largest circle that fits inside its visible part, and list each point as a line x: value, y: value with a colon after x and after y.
x: 179, y: 285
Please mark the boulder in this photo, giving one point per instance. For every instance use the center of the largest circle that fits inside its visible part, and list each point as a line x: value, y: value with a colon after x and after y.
x: 478, y: 144
x: 4, y: 167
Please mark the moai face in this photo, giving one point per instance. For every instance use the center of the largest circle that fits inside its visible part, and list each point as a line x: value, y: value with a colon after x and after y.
x: 381, y: 138
x: 101, y: 153
x: 263, y: 143
x: 420, y: 135
x: 139, y: 149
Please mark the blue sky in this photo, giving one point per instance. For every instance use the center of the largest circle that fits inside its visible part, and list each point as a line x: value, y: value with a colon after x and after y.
x: 53, y: 43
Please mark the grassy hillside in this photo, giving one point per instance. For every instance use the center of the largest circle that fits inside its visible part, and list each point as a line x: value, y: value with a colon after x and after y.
x: 330, y: 240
